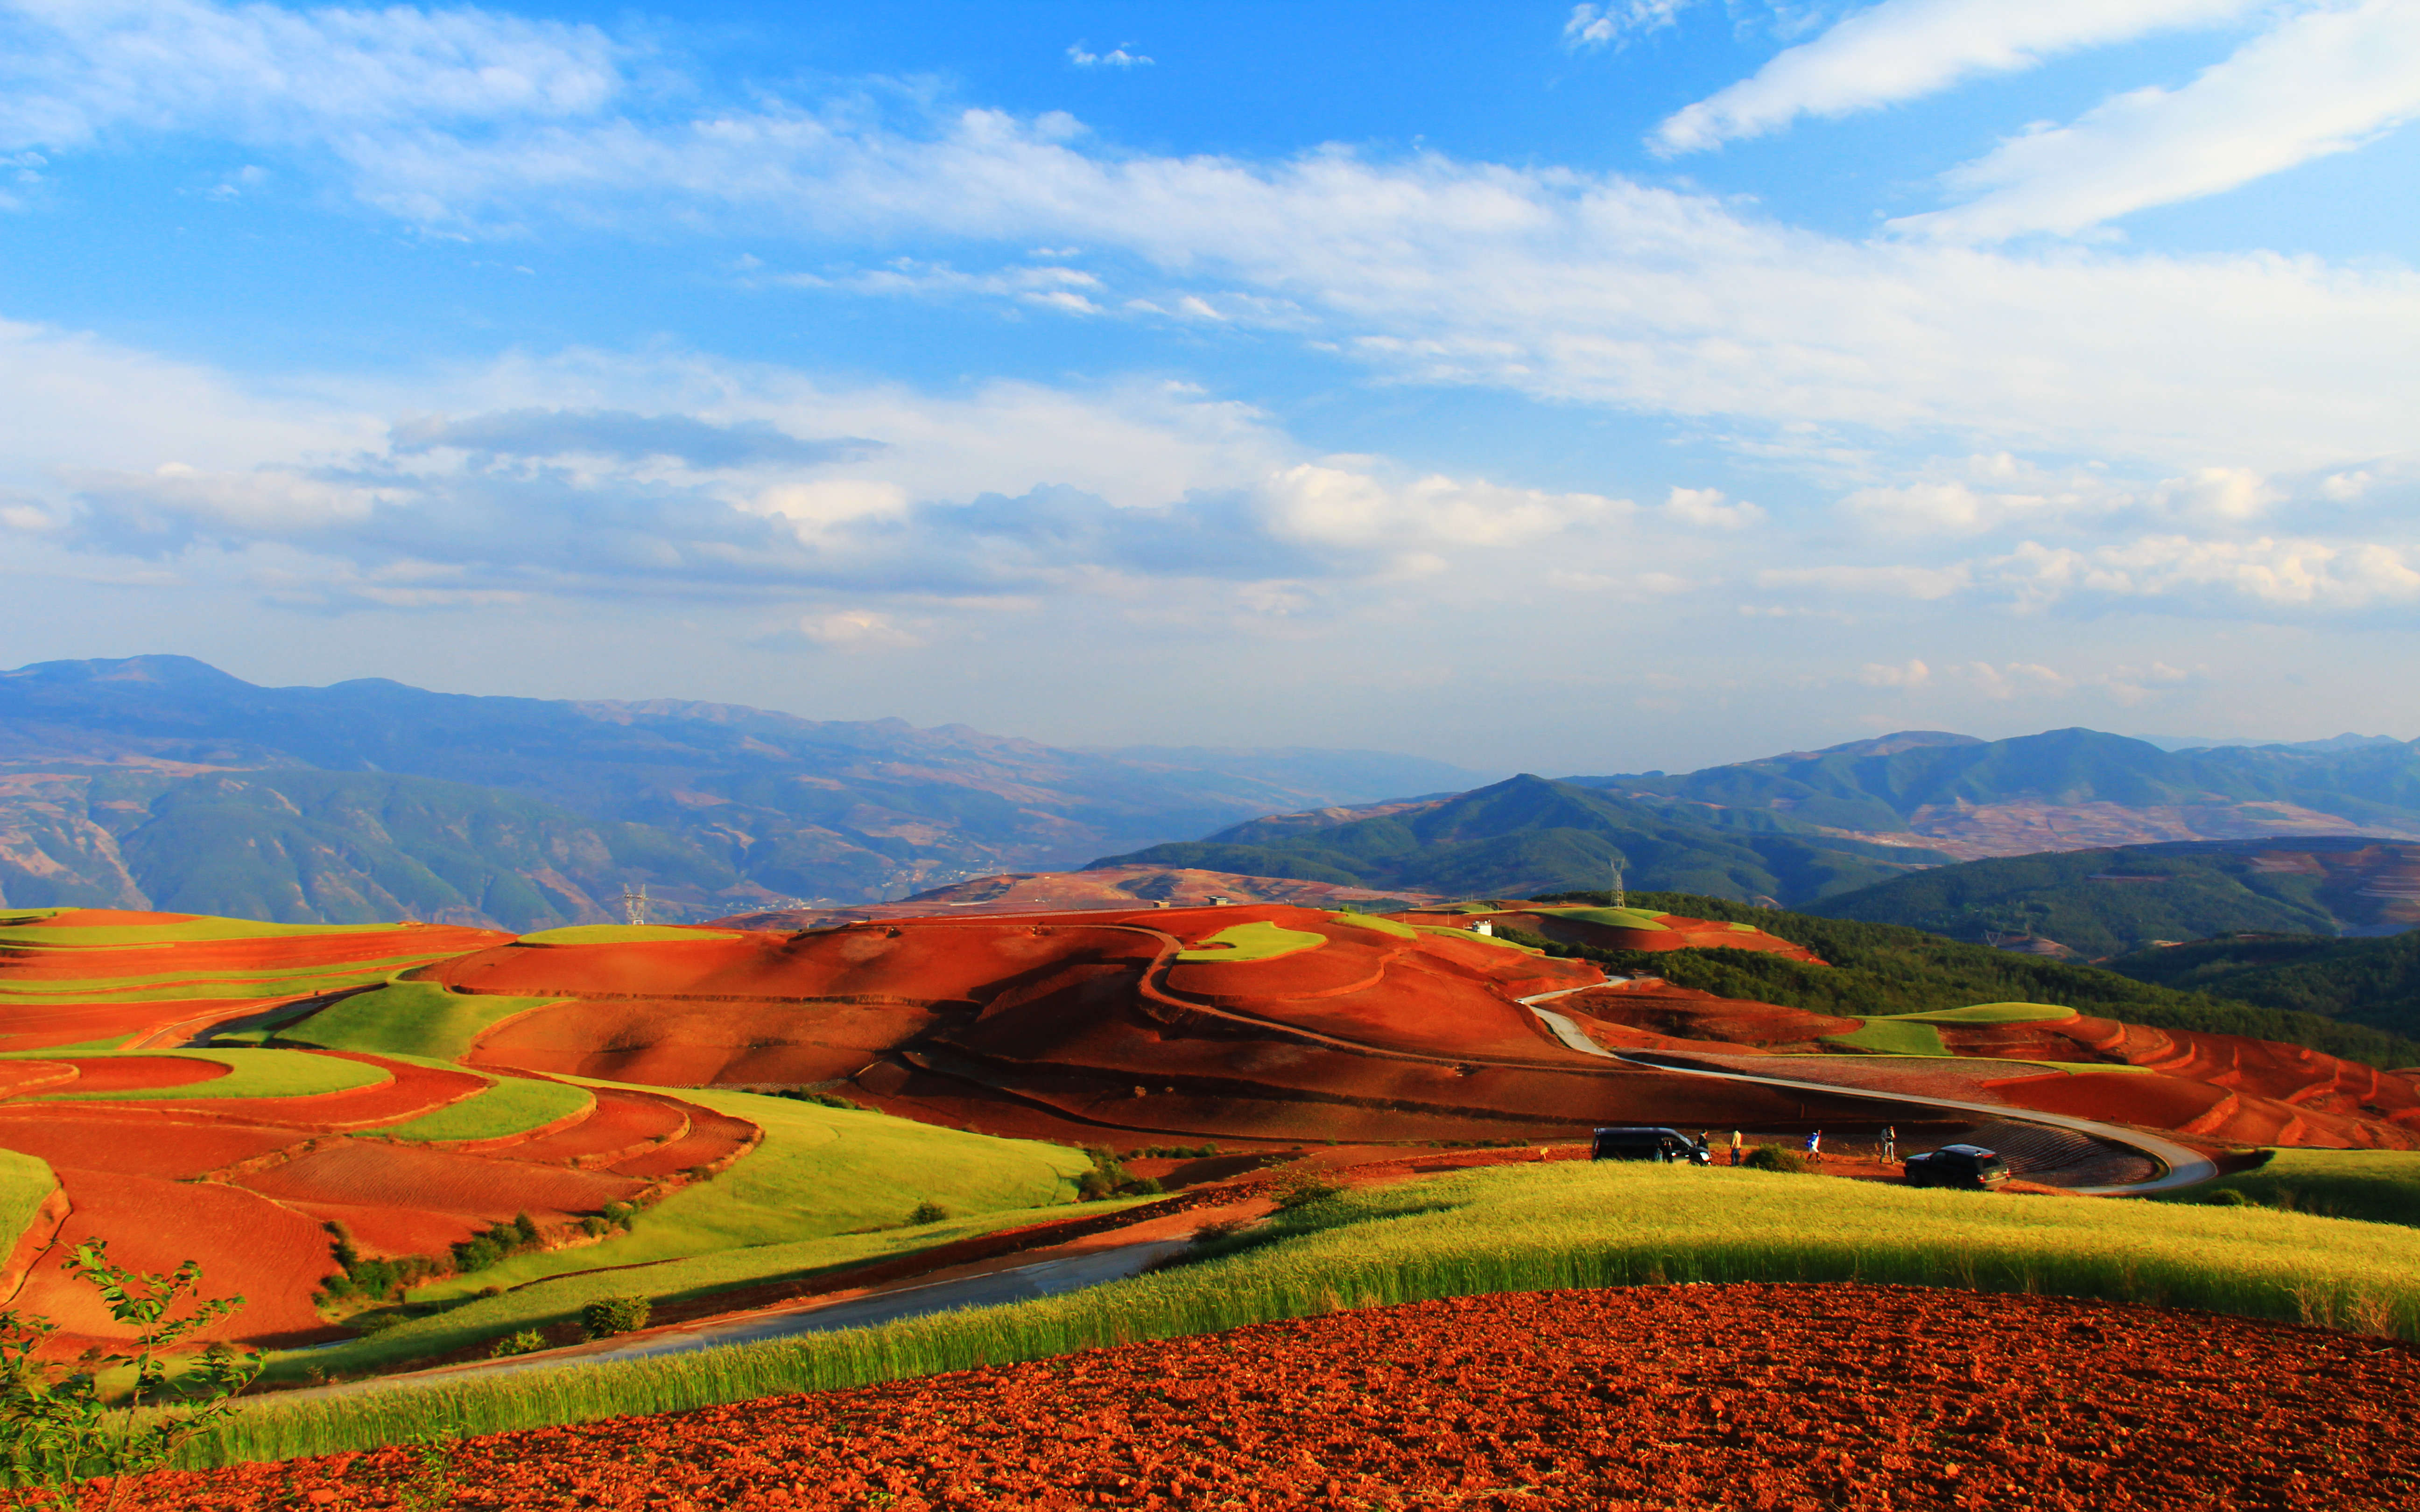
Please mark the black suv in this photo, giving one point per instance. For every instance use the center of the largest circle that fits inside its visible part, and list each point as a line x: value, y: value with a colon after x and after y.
x: 1970, y: 1168
x: 1642, y: 1143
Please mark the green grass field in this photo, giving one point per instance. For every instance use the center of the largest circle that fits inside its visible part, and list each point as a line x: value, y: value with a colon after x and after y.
x: 623, y: 934
x: 1508, y: 1230
x: 177, y: 985
x: 2380, y: 1186
x: 820, y: 1172
x: 559, y: 1299
x: 1611, y: 917
x: 1992, y: 1013
x: 510, y: 1105
x: 24, y: 1181
x: 1892, y: 1037
x: 1259, y: 940
x: 1379, y: 923
x: 37, y: 936
x: 250, y: 1073
x: 409, y: 1018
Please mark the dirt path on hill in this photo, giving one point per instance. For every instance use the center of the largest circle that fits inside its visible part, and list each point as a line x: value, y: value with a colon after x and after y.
x: 1810, y: 1398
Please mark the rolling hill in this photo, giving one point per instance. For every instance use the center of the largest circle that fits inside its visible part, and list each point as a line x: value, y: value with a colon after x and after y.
x: 2106, y: 902
x: 161, y: 780
x: 2368, y: 981
x: 1528, y: 835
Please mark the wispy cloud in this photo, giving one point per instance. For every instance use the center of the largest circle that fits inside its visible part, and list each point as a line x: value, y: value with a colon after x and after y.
x: 1116, y: 58
x: 1902, y: 50
x: 1616, y: 21
x: 2322, y: 81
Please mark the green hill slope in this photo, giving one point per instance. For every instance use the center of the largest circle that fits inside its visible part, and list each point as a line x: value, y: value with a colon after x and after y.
x: 2371, y: 981
x: 1528, y: 835
x: 1881, y: 969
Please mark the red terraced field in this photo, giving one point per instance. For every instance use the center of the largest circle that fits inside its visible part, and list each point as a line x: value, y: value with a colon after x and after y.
x: 271, y: 1255
x: 1649, y: 1400
x: 618, y: 1126
x: 18, y: 1077
x: 713, y: 1138
x: 411, y: 1091
x: 689, y: 1045
x: 69, y: 1133
x: 137, y: 1073
x: 355, y: 1173
x: 26, y: 1026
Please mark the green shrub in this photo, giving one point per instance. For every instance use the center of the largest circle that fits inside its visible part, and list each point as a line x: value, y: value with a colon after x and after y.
x: 524, y: 1341
x: 1303, y: 1190
x: 1774, y: 1158
x: 595, y: 1228
x: 927, y: 1211
x: 619, y: 1213
x: 609, y: 1316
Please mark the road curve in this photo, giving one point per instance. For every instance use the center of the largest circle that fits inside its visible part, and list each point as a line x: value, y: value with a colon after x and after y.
x: 2181, y: 1166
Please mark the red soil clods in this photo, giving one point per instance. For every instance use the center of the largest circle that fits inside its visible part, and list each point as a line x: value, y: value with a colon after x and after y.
x: 1115, y: 889
x: 1797, y: 1397
x: 1574, y: 926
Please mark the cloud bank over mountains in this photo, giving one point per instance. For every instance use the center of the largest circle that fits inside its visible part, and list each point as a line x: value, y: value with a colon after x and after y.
x: 1992, y: 404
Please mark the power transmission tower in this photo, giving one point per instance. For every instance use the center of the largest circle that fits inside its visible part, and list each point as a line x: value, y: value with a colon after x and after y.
x: 1618, y: 894
x: 634, y: 903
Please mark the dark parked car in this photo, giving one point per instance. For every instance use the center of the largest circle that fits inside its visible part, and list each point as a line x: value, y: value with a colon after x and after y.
x: 1649, y: 1144
x: 1970, y: 1168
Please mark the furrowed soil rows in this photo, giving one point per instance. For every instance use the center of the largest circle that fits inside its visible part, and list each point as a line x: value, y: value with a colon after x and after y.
x: 141, y: 1146
x: 270, y: 1255
x: 360, y: 1173
x: 1700, y: 1398
x: 141, y: 1073
x: 712, y: 1139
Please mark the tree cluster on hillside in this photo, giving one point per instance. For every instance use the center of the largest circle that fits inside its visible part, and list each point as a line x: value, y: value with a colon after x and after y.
x: 1881, y: 969
x: 2373, y: 981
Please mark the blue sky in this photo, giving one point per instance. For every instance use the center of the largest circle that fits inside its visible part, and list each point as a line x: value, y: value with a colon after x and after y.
x: 1572, y: 388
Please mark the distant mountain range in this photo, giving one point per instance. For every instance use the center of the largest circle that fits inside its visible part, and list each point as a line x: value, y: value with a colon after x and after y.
x: 160, y: 781
x: 2107, y: 902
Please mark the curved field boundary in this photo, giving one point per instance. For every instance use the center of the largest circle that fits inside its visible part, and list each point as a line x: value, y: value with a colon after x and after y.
x: 118, y: 936
x: 2180, y: 1166
x: 1259, y: 940
x: 621, y: 934
x: 512, y: 1110
x: 172, y: 984
x: 410, y: 1019
x: 1523, y: 1229
x: 31, y: 1210
x: 278, y: 1074
x: 1991, y: 1013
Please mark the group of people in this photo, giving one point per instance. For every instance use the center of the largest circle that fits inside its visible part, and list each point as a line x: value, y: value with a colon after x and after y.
x: 1814, y: 1144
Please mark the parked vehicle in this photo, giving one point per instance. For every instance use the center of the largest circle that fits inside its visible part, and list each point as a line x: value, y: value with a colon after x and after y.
x: 1645, y: 1143
x: 1968, y: 1168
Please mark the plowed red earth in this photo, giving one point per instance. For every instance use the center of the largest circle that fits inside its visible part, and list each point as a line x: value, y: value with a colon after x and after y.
x: 140, y: 1073
x: 1794, y: 1397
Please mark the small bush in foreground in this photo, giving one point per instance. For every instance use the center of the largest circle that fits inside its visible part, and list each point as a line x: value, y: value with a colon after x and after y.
x: 524, y: 1341
x: 1774, y: 1158
x: 609, y: 1316
x: 927, y: 1211
x: 1302, y: 1190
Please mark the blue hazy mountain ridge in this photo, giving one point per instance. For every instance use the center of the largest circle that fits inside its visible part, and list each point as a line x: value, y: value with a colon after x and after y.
x: 1528, y: 835
x: 162, y: 782
x: 2112, y: 902
x: 1912, y: 782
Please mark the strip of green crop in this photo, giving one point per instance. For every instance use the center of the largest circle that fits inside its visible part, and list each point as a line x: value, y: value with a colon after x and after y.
x: 2374, y: 1185
x: 510, y: 1105
x: 1379, y: 923
x: 250, y: 1073
x: 409, y: 1018
x: 39, y: 936
x: 1449, y: 931
x: 1992, y: 1013
x: 1259, y: 940
x: 171, y: 985
x: 1641, y: 918
x: 1508, y: 1230
x: 25, y: 1181
x: 1892, y: 1037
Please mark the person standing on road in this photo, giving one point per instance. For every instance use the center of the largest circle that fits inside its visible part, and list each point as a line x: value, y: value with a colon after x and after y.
x: 1735, y: 1146
x: 1815, y: 1146
x: 1891, y: 1143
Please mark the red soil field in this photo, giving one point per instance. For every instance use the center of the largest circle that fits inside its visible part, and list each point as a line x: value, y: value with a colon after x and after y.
x: 363, y: 1174
x: 1114, y: 888
x: 174, y: 1152
x: 411, y: 1091
x: 1798, y: 1397
x: 137, y: 1073
x: 19, y: 1076
x: 26, y: 1026
x: 270, y: 1255
x: 713, y: 1138
x: 110, y: 918
x: 620, y: 1125
x: 677, y: 1043
x: 275, y: 952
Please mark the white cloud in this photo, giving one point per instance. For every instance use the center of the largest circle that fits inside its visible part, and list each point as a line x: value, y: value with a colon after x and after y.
x: 2216, y: 496
x: 1617, y: 21
x: 1879, y: 675
x: 1116, y: 58
x: 856, y: 629
x: 1902, y: 49
x: 1705, y: 509
x: 2324, y: 80
x: 1569, y: 286
x: 1354, y: 504
x: 2265, y: 572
